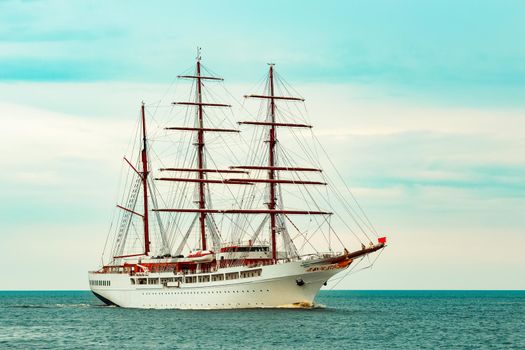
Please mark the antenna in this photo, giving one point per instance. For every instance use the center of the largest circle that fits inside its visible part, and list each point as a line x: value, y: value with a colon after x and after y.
x: 198, y: 58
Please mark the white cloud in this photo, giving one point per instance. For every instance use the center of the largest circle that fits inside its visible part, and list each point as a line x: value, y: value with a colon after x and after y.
x: 39, y: 143
x: 64, y: 142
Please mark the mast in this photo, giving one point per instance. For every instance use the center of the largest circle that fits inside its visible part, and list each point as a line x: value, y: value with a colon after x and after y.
x: 271, y: 165
x: 272, y: 179
x: 145, y: 172
x: 201, y: 179
x: 200, y: 156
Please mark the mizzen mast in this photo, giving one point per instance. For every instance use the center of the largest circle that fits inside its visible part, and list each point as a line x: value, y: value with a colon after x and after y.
x: 144, y: 156
x: 143, y: 176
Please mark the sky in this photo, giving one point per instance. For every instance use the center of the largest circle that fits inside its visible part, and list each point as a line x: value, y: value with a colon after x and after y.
x: 420, y: 103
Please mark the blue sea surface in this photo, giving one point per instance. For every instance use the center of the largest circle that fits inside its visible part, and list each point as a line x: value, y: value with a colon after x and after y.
x: 343, y: 320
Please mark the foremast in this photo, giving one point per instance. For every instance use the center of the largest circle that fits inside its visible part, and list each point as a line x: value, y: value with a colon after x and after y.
x: 272, y: 168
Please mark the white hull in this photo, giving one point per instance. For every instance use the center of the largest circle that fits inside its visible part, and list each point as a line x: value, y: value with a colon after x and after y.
x: 292, y: 284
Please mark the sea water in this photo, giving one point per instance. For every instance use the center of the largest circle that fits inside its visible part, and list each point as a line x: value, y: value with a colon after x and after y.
x: 341, y: 320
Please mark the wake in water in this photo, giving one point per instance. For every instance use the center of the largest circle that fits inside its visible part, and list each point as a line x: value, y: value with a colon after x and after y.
x: 302, y: 305
x: 50, y: 306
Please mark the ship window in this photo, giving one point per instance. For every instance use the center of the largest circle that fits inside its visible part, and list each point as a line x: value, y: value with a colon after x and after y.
x: 232, y: 275
x: 251, y: 273
x: 217, y: 277
x: 165, y: 281
x: 204, y: 278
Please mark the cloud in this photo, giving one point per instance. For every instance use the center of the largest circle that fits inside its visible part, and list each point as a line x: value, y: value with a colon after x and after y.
x: 474, y: 58
x: 51, y: 251
x: 55, y: 163
x: 437, y: 180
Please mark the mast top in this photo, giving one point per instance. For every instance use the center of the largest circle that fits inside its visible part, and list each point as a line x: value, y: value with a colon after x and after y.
x: 198, y: 58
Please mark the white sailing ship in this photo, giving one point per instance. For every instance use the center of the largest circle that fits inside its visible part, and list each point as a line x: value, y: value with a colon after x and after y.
x: 168, y: 249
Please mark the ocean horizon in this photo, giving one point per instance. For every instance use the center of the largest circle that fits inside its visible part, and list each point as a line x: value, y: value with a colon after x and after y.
x: 361, y: 319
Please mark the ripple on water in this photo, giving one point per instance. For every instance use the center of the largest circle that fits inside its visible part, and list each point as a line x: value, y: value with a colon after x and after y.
x: 338, y: 319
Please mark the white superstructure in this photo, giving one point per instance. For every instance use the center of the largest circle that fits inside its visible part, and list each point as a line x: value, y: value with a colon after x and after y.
x: 279, y: 285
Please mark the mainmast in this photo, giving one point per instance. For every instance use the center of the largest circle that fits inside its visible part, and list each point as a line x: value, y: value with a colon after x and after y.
x: 145, y: 172
x: 201, y: 169
x: 271, y: 164
x: 200, y: 156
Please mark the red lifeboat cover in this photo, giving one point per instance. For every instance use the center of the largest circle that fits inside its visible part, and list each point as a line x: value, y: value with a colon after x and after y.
x: 200, y: 253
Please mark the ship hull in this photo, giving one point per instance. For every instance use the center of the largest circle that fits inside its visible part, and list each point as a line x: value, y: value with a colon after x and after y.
x: 287, y: 285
